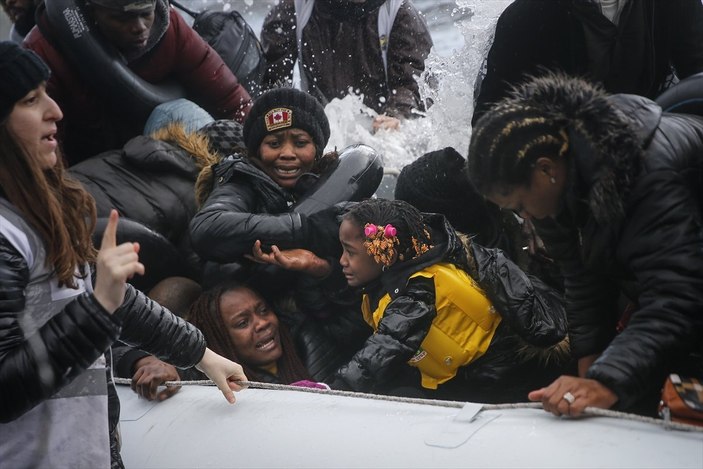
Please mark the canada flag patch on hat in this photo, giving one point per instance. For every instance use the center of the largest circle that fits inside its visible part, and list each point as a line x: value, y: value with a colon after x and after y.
x: 278, y: 118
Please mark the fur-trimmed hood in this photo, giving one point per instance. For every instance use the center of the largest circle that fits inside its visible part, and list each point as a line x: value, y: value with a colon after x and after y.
x: 607, y: 138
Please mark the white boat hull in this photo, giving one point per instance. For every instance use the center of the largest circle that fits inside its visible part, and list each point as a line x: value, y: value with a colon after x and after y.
x: 271, y: 428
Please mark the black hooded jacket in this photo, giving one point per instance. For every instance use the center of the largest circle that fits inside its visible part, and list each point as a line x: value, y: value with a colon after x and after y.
x: 631, y: 223
x: 533, y: 319
x: 572, y: 36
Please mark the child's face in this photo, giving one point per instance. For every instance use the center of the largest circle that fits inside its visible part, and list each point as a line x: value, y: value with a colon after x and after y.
x: 357, y: 265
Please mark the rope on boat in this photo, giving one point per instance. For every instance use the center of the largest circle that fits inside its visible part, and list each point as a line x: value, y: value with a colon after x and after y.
x: 592, y: 411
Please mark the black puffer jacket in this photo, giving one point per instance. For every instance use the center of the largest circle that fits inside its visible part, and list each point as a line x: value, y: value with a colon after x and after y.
x: 244, y: 206
x: 631, y: 223
x: 534, y: 321
x: 77, y: 336
x: 247, y: 205
x: 636, y: 56
x: 342, y: 51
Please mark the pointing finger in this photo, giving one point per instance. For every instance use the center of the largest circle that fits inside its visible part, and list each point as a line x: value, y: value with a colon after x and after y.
x: 110, y: 234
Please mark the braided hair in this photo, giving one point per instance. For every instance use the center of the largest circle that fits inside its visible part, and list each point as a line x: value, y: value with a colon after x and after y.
x: 205, y: 314
x: 412, y: 233
x: 507, y: 142
x: 553, y: 115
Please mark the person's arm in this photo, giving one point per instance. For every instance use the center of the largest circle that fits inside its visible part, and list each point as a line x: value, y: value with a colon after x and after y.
x: 279, y: 43
x: 226, y: 226
x: 534, y: 311
x: 64, y: 347
x: 408, y: 47
x: 529, y: 34
x: 205, y: 75
x: 591, y: 299
x: 661, y: 245
x: 686, y: 29
x: 405, y: 324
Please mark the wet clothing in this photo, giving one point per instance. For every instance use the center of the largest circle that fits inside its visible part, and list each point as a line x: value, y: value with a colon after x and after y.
x: 533, y: 322
x: 54, y: 406
x: 343, y: 51
x: 631, y: 223
x: 635, y: 56
x: 91, y: 126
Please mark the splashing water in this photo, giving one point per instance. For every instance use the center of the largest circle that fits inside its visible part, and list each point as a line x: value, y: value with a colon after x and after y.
x: 447, y: 81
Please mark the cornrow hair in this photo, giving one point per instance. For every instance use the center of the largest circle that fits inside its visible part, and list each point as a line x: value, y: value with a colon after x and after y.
x: 205, y: 315
x: 507, y: 141
x: 407, y: 220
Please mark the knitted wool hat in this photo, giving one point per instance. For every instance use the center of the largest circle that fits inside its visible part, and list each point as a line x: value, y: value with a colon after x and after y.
x: 436, y: 182
x: 286, y: 108
x: 21, y: 71
x: 225, y: 136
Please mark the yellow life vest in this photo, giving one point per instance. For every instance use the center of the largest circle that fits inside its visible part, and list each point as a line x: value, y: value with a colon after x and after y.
x: 460, y: 333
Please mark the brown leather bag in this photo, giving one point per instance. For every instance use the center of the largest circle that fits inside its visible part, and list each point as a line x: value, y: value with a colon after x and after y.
x: 682, y: 400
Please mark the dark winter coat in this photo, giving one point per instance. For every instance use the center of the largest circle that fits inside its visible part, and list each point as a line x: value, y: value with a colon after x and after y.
x: 246, y: 205
x: 90, y: 126
x: 634, y: 57
x: 534, y: 321
x: 344, y: 51
x: 149, y: 181
x: 631, y: 223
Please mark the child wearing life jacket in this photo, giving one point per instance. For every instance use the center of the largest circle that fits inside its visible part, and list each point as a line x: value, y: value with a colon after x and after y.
x: 451, y: 319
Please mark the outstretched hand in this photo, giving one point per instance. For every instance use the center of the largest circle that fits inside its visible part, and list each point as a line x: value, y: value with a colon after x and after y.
x: 300, y: 260
x: 150, y: 374
x: 224, y: 373
x: 384, y: 122
x: 569, y: 395
x: 115, y: 265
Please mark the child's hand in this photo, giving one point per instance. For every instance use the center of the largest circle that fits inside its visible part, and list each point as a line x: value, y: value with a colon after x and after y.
x: 115, y: 265
x: 300, y: 260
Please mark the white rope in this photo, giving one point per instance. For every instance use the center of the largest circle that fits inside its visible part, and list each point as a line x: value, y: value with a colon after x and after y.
x: 592, y: 411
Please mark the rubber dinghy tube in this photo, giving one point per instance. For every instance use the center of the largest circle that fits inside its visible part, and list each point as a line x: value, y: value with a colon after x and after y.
x: 100, y: 63
x: 356, y: 176
x: 685, y: 97
x: 160, y: 257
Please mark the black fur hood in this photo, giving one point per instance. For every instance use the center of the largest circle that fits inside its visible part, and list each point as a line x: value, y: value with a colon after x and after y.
x: 607, y: 138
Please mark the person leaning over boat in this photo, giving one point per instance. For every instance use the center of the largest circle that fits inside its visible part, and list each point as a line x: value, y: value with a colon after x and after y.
x: 56, y: 328
x: 375, y: 47
x: 158, y: 45
x: 613, y: 186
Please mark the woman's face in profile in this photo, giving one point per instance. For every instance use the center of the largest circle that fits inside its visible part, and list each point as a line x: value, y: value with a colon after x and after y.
x: 286, y: 155
x: 33, y: 123
x: 541, y: 198
x: 252, y: 327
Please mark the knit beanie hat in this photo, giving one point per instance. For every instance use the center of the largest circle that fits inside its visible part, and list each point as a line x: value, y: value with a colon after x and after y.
x: 21, y: 71
x: 225, y: 136
x: 437, y: 182
x: 284, y: 108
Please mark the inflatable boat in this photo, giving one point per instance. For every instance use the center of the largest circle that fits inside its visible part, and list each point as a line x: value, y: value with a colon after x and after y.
x: 288, y: 428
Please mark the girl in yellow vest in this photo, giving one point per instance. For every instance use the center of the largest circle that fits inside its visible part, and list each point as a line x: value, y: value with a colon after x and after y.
x: 451, y: 319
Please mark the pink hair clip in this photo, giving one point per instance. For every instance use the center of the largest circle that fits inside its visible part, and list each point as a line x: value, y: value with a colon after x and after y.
x: 370, y: 230
x: 389, y: 231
